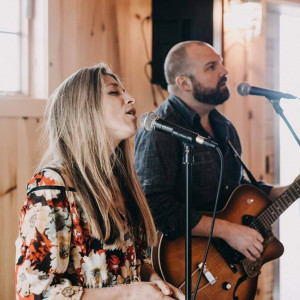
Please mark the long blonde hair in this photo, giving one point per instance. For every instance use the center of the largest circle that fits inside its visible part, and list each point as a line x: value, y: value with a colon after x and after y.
x: 79, y: 142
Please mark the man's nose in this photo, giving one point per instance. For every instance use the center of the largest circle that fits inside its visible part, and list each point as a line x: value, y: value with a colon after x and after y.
x: 223, y: 71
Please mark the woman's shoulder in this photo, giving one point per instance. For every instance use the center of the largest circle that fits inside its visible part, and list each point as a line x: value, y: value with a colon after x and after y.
x: 47, y: 177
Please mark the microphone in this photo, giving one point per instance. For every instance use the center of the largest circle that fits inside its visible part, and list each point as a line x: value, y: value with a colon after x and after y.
x: 244, y: 89
x: 150, y: 121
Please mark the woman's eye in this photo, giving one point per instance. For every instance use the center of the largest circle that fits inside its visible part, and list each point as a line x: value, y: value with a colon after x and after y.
x: 113, y: 93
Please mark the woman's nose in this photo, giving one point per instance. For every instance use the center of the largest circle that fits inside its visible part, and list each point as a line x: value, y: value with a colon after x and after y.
x: 128, y: 99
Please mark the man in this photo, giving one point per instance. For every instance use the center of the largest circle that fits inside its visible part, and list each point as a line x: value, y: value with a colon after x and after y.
x: 197, y: 82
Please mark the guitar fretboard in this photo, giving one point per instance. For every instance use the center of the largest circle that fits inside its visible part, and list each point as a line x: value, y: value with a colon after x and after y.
x: 272, y: 213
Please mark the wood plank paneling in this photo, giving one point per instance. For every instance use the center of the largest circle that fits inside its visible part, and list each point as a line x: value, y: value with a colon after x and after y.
x: 19, y: 155
x: 87, y: 32
x: 8, y: 204
x: 81, y: 33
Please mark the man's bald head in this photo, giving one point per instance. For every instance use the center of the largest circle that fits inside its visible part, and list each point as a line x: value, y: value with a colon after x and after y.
x: 194, y: 68
x: 178, y: 63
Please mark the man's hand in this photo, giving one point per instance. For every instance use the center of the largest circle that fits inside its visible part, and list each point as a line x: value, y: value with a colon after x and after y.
x: 242, y: 238
x: 245, y: 240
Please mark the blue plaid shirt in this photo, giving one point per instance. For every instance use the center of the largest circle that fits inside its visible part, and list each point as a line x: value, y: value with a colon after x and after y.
x: 158, y: 162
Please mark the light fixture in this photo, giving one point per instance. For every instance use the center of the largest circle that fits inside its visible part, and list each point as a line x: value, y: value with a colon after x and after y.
x: 245, y: 16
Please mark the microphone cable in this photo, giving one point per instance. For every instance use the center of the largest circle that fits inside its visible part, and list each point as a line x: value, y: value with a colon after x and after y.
x: 212, y: 222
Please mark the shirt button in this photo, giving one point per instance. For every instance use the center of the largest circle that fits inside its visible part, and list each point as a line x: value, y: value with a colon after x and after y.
x: 226, y: 187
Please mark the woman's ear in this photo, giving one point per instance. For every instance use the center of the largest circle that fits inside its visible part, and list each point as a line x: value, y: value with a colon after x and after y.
x: 184, y: 83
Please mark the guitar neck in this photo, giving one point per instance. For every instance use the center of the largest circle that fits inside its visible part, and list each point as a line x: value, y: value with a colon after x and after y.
x: 285, y: 200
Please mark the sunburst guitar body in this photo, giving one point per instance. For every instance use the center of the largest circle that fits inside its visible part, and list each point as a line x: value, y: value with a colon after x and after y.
x: 227, y: 275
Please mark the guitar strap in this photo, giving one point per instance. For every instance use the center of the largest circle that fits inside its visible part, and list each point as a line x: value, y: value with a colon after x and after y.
x: 249, y: 174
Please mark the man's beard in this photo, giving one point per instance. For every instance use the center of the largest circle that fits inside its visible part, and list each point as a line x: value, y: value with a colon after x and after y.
x: 210, y: 96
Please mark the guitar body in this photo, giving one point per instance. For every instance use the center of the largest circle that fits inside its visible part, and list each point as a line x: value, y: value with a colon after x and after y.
x: 236, y: 281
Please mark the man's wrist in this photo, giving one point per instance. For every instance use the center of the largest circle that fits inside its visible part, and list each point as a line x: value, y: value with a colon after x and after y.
x: 221, y: 228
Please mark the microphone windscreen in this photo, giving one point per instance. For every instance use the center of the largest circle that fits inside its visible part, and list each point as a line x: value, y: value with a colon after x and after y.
x: 147, y: 120
x: 244, y: 89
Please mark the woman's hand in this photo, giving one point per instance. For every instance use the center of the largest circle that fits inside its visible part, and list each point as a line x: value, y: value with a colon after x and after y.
x: 148, y: 274
x: 168, y: 289
x: 153, y: 288
x: 148, y: 290
x: 133, y: 291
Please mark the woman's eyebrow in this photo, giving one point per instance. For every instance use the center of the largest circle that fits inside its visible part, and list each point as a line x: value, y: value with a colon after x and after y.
x: 114, y: 84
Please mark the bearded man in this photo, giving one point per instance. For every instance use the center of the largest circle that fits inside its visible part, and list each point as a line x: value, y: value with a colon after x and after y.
x: 197, y: 82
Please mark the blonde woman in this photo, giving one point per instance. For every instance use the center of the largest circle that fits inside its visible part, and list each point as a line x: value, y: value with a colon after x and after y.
x: 85, y: 225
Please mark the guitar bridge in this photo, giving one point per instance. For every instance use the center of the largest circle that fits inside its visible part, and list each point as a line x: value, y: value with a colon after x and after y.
x: 210, y: 278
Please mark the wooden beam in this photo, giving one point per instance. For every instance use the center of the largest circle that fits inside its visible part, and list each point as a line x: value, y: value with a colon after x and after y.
x: 22, y: 107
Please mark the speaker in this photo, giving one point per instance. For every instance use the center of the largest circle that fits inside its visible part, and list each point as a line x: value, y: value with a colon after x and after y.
x: 175, y: 21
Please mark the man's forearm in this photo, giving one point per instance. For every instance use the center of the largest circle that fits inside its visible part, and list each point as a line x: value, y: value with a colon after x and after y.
x: 276, y: 191
x: 204, y: 225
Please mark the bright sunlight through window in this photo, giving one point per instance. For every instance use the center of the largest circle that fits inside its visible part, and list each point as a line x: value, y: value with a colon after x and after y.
x: 10, y: 46
x: 290, y: 154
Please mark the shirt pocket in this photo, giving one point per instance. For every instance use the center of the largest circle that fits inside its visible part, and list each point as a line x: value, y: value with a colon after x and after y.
x: 204, y: 172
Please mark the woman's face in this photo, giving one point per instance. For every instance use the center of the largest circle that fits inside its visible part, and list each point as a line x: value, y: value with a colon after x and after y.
x: 118, y: 111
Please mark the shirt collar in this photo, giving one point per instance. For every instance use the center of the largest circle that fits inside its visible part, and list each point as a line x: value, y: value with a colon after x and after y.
x: 190, y: 116
x: 193, y: 118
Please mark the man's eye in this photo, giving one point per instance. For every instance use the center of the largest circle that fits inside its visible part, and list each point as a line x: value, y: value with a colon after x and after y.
x: 212, y: 67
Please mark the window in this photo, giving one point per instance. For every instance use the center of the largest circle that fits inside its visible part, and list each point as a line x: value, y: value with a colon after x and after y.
x: 289, y: 151
x: 283, y: 44
x: 10, y: 46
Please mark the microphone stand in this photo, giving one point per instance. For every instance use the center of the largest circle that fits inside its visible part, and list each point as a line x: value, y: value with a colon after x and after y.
x: 188, y: 160
x: 279, y: 110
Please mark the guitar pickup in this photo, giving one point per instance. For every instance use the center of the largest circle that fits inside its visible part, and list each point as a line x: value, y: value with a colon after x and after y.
x: 210, y: 278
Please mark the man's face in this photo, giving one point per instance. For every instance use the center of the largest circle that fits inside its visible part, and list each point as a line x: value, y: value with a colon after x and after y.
x: 208, y: 75
x: 212, y: 96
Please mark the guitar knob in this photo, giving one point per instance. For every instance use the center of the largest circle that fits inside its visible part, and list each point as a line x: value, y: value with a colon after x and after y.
x: 226, y: 286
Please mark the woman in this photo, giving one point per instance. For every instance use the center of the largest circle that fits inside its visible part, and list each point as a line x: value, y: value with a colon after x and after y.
x: 85, y: 225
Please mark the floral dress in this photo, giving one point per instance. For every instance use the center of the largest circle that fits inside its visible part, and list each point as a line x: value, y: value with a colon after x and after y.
x: 56, y: 256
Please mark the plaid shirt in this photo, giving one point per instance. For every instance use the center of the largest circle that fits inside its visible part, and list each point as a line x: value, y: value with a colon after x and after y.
x: 158, y: 161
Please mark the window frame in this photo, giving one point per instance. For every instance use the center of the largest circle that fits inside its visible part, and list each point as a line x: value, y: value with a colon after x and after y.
x: 34, y: 33
x: 22, y: 34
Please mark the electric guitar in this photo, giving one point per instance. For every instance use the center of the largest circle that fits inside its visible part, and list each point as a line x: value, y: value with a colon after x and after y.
x: 227, y: 273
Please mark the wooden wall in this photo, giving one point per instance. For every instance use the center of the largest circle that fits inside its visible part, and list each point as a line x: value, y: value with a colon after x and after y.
x: 253, y: 116
x: 78, y: 33
x: 20, y: 151
x: 19, y: 154
x: 87, y: 32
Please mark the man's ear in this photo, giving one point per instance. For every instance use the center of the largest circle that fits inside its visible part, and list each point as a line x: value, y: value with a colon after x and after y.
x: 184, y: 83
